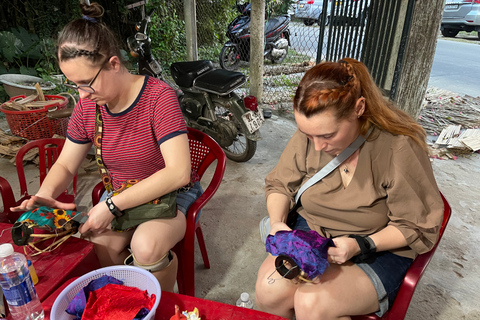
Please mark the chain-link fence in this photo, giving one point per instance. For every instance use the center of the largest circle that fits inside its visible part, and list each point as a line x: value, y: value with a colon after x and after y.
x: 281, y: 73
x: 285, y: 66
x: 298, y: 34
x: 303, y: 33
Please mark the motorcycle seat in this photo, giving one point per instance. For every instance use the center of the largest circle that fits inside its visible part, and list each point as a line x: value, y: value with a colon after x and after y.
x: 276, y: 22
x: 184, y: 73
x: 220, y: 81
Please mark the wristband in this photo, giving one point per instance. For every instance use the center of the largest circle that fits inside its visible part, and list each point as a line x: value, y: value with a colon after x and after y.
x: 113, y: 208
x: 367, y: 246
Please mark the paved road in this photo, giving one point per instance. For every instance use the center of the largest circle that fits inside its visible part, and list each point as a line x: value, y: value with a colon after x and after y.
x: 456, y: 64
x: 456, y: 67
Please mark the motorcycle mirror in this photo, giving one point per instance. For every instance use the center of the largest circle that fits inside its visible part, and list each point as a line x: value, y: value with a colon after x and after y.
x: 140, y: 36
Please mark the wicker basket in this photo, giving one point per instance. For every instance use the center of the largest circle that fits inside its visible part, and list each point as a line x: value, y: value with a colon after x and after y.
x: 34, y: 124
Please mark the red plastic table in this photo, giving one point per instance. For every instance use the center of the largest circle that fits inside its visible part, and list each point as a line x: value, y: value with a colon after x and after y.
x: 209, y: 310
x: 73, y: 258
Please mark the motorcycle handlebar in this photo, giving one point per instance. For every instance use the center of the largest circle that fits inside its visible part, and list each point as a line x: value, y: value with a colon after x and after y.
x: 144, y: 25
x: 150, y: 13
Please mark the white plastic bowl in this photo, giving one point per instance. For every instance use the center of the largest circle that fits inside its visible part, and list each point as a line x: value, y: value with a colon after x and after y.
x: 13, y: 86
x: 131, y: 276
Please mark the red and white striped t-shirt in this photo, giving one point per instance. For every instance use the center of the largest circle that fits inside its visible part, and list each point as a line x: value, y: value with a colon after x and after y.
x: 131, y: 139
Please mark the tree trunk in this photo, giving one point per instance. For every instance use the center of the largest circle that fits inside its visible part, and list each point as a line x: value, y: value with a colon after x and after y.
x: 256, y: 48
x: 419, y: 53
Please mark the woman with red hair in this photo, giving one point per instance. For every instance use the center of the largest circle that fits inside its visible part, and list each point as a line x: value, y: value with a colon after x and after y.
x: 381, y: 206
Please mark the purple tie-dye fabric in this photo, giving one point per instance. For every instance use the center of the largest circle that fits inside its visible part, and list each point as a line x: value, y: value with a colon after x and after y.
x: 307, y: 248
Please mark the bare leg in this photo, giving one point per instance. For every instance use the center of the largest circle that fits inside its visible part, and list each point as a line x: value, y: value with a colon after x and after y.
x: 274, y: 297
x: 153, y: 239
x: 343, y: 290
x: 110, y: 246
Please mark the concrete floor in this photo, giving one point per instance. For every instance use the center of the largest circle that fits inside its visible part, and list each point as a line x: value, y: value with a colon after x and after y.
x: 449, y: 289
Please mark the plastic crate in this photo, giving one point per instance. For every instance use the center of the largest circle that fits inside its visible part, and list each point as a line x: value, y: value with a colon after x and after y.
x: 34, y: 124
x: 131, y: 276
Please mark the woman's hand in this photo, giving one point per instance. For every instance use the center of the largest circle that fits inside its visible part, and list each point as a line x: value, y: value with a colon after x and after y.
x: 99, y: 219
x: 37, y: 201
x: 278, y: 226
x: 345, y: 248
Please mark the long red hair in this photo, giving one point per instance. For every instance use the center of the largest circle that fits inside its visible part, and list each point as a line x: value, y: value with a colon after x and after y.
x: 337, y: 86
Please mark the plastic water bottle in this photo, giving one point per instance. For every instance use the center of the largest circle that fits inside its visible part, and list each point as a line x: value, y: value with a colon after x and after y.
x: 17, y: 285
x: 244, y: 301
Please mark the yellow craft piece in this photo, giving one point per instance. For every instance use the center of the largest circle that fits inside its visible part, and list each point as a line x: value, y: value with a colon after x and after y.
x: 192, y: 315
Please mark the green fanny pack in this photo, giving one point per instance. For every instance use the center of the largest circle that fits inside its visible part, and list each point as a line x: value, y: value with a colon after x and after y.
x: 164, y: 207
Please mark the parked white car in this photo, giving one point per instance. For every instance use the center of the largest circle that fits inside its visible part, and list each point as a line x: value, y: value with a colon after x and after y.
x: 309, y: 11
x: 461, y: 15
x: 352, y: 12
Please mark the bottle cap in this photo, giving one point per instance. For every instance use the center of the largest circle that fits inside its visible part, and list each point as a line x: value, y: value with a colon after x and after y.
x: 244, y: 297
x: 6, y: 249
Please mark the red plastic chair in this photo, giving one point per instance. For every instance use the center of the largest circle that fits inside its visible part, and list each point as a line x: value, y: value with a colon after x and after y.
x: 75, y: 256
x: 8, y: 200
x: 413, y: 276
x: 203, y: 152
x: 50, y: 148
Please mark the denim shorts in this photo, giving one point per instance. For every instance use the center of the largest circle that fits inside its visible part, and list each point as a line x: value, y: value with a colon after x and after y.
x: 386, y: 272
x: 184, y: 199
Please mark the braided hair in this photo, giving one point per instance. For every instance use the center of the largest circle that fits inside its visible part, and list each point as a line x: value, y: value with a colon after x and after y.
x: 337, y: 86
x: 88, y: 37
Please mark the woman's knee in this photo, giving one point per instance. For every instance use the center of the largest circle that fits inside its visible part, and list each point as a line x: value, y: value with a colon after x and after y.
x: 270, y: 294
x: 308, y: 304
x: 264, y: 297
x: 153, y: 239
x: 147, y: 250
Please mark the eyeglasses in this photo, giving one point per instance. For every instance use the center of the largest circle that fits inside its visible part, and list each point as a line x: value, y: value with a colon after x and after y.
x: 86, y: 87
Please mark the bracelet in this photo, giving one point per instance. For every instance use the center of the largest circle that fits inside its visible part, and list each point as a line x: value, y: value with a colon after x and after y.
x: 113, y: 208
x: 367, y: 246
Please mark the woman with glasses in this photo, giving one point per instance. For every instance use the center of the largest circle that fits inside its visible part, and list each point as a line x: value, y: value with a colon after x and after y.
x: 141, y: 147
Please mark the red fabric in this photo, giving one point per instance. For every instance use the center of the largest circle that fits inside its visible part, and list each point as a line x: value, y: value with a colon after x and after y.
x: 116, y: 302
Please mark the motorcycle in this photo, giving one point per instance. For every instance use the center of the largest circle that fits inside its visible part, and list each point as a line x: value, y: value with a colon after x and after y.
x: 206, y: 97
x: 277, y: 39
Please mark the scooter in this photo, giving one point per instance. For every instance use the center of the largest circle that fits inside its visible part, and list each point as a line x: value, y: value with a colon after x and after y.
x: 277, y: 39
x: 206, y: 97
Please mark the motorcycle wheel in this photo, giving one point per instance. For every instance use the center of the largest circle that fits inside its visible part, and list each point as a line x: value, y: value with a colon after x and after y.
x: 242, y: 149
x: 229, y: 57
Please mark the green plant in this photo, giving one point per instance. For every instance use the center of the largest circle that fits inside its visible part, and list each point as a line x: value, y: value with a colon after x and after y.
x: 48, y: 65
x: 275, y: 7
x: 286, y: 80
x: 167, y: 33
x: 3, y: 96
x: 23, y: 52
x: 40, y: 17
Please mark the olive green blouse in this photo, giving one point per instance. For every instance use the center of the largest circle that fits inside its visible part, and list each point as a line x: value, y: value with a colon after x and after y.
x: 393, y: 184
